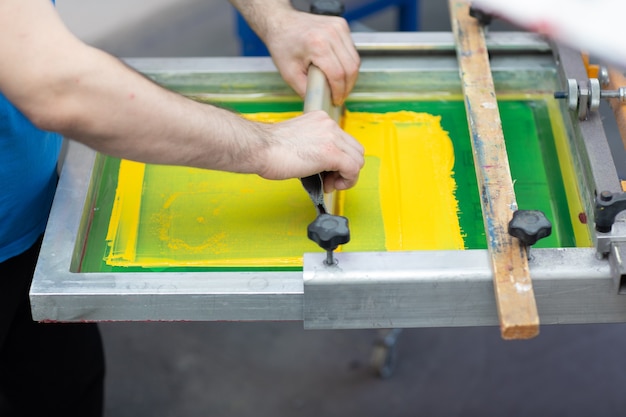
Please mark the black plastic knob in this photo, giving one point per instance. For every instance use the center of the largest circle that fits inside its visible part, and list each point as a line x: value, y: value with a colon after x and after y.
x: 482, y: 17
x: 329, y: 231
x: 529, y: 226
x: 327, y: 7
x: 608, y: 206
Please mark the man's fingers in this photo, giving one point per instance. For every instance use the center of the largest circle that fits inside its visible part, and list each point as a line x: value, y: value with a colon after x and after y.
x: 342, y: 75
x: 350, y: 59
x: 347, y: 174
x: 335, y: 181
x: 341, y: 65
x: 354, y: 145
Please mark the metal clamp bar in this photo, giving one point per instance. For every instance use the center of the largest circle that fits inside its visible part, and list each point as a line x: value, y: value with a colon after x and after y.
x: 595, y: 166
x: 451, y: 288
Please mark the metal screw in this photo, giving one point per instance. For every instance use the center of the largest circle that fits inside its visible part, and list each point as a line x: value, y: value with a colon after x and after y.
x: 330, y: 259
x: 603, y: 75
x: 606, y: 196
x: 620, y: 93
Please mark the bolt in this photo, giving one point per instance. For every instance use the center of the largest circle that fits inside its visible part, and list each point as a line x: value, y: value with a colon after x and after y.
x: 529, y: 226
x: 603, y: 75
x: 330, y: 259
x: 606, y: 196
x: 329, y: 231
x: 620, y: 94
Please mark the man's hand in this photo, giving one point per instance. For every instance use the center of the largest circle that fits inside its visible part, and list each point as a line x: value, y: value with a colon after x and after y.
x: 304, y: 39
x: 309, y: 144
x: 297, y: 39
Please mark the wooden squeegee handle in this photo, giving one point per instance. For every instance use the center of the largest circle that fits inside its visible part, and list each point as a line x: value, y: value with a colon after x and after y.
x: 318, y: 96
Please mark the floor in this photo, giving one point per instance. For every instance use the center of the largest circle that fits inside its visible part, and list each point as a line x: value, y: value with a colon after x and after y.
x: 279, y: 369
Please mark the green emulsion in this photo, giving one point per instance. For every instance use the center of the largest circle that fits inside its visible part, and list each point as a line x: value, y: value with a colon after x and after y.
x: 535, y: 169
x: 533, y: 159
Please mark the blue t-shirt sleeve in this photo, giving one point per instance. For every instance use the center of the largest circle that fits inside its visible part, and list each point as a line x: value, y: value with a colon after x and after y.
x: 28, y: 160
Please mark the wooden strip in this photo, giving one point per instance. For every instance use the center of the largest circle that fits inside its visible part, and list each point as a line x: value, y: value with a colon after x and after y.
x: 513, y: 288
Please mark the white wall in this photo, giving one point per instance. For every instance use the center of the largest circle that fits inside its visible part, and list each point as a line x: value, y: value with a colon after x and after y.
x: 93, y: 20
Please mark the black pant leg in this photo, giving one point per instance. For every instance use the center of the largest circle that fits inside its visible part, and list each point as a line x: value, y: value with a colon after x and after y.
x: 45, y: 369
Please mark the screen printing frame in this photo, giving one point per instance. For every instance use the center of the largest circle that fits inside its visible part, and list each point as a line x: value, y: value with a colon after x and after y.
x: 365, y: 290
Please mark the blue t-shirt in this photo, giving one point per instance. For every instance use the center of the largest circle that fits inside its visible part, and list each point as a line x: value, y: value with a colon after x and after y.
x: 28, y: 159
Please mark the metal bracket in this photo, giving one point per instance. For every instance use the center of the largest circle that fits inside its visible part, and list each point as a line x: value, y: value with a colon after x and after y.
x: 385, y: 290
x: 605, y: 240
x: 611, y: 236
x: 618, y: 269
x: 584, y: 96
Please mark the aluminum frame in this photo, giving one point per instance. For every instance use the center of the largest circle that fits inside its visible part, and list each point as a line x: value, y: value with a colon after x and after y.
x: 405, y: 289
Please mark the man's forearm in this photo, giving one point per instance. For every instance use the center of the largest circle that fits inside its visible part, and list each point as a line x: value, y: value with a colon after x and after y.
x: 263, y: 16
x: 63, y: 85
x: 119, y: 112
x: 66, y: 86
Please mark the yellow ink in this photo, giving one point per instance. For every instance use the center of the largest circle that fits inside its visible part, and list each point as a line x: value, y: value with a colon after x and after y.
x: 172, y: 216
x: 415, y: 183
x: 122, y: 233
x: 574, y: 204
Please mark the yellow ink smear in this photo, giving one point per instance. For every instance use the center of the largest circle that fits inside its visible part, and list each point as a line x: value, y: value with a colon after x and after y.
x: 167, y: 216
x: 414, y: 158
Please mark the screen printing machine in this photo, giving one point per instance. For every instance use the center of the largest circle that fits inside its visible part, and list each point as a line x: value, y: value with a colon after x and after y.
x: 560, y: 176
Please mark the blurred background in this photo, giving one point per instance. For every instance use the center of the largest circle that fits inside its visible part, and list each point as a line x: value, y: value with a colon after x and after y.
x: 279, y: 369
